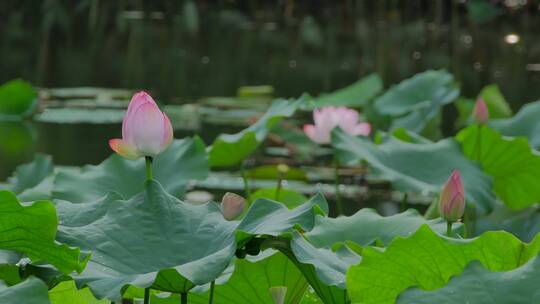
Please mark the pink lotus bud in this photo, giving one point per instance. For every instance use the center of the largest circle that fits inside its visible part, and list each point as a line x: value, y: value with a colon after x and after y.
x: 146, y: 131
x: 452, y: 199
x: 232, y: 205
x: 328, y: 118
x: 480, y: 112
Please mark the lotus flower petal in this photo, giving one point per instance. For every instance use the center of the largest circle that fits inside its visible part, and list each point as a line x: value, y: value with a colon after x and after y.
x: 146, y: 131
x: 480, y: 111
x: 328, y: 118
x: 232, y: 205
x: 316, y: 135
x: 123, y: 148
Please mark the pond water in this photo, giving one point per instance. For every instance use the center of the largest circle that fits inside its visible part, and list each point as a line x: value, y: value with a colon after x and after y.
x: 183, y: 51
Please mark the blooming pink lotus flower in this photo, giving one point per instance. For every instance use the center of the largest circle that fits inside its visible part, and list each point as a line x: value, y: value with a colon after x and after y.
x: 452, y: 199
x: 328, y: 118
x: 232, y: 205
x: 480, y: 112
x: 146, y: 131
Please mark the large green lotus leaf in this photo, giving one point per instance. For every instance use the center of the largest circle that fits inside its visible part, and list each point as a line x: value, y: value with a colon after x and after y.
x: 366, y: 227
x: 355, y: 95
x: 252, y: 279
x: 31, y: 174
x: 31, y: 230
x: 30, y: 291
x: 480, y: 286
x: 422, y: 167
x: 515, y: 168
x: 183, y: 161
x: 17, y: 98
x: 67, y: 292
x: 423, y: 90
x: 524, y: 123
x: 231, y: 149
x: 525, y: 223
x: 427, y: 260
x: 290, y: 198
x: 155, y: 240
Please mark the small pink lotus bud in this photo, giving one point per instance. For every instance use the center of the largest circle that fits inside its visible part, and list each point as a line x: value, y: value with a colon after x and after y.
x: 328, y: 118
x: 232, y: 205
x: 452, y: 199
x: 480, y: 112
x: 146, y: 131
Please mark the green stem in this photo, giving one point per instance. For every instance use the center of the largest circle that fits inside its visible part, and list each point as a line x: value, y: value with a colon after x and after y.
x: 449, y: 228
x: 279, y: 186
x: 212, y: 286
x: 148, y: 167
x: 479, y: 144
x: 147, y: 295
x: 404, y: 202
x: 183, y: 298
x: 339, y: 204
x: 245, y: 179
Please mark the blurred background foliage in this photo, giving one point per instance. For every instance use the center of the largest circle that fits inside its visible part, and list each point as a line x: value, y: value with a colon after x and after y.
x: 184, y: 50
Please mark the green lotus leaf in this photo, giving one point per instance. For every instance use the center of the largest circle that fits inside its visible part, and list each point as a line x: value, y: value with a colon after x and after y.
x: 417, y: 100
x: 524, y: 223
x: 154, y: 240
x: 30, y: 291
x: 515, y: 168
x: 67, y: 292
x: 288, y: 197
x: 428, y: 260
x: 17, y: 99
x: 183, y: 161
x: 31, y: 174
x: 355, y: 95
x: 323, y: 268
x: 31, y: 230
x: 252, y: 278
x: 421, y: 167
x: 231, y: 149
x: 478, y: 285
x: 524, y: 123
x: 367, y: 227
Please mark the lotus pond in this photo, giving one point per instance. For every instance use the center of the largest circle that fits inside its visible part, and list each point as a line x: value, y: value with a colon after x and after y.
x: 285, y: 152
x: 353, y: 196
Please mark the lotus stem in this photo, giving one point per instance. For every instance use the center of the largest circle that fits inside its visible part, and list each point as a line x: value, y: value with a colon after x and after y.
x: 212, y: 286
x: 147, y: 295
x: 148, y: 167
x: 183, y: 298
x: 245, y: 179
x: 404, y: 202
x: 339, y: 204
x: 449, y: 228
